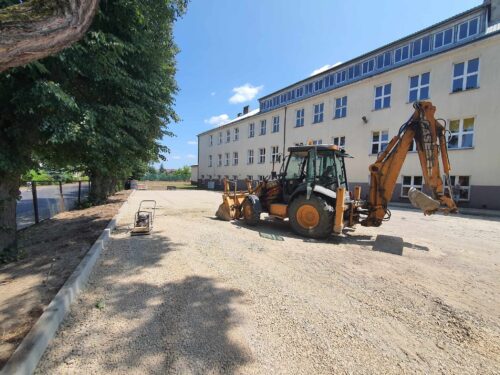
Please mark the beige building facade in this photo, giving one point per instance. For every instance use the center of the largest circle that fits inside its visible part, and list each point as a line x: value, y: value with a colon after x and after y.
x: 361, y: 104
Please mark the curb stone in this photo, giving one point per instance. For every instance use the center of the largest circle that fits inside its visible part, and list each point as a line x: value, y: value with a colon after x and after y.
x: 27, y: 355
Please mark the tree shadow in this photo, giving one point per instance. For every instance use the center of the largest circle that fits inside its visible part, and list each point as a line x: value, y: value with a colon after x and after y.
x: 180, y: 326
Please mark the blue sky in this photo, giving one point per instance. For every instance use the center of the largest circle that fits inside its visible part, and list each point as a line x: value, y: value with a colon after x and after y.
x: 235, y: 51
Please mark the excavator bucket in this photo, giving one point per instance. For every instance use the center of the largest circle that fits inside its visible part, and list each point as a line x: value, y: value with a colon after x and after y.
x: 230, y: 208
x: 423, y: 201
x: 224, y: 212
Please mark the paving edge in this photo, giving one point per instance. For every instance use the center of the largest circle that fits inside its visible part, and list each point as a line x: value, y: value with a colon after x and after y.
x: 27, y: 355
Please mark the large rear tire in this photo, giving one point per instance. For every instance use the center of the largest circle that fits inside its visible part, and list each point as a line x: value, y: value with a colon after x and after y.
x: 311, y: 217
x: 251, y: 210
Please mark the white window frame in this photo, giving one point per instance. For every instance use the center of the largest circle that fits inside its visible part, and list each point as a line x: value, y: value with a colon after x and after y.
x: 380, y: 142
x: 317, y: 142
x: 228, y: 135
x: 465, y: 74
x: 339, y: 141
x: 250, y: 156
x: 276, y: 124
x: 275, y: 150
x: 227, y: 157
x: 262, y: 155
x: 340, y: 108
x: 263, y: 127
x: 401, y: 49
x: 382, y: 97
x: 211, y: 140
x: 299, y: 118
x: 235, y: 177
x: 219, y: 160
x: 235, y: 158
x: 318, y: 113
x: 251, y: 130
x: 419, y: 87
x: 261, y: 177
x: 220, y: 138
x: 209, y: 160
x: 236, y: 134
x: 461, y: 132
x: 468, y: 22
x: 442, y: 32
x: 250, y: 177
x: 412, y: 184
x: 453, y: 178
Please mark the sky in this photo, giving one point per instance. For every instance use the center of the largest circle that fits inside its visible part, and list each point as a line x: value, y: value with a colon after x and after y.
x: 232, y: 52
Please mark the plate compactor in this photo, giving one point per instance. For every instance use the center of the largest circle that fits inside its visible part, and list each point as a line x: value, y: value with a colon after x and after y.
x: 144, y: 218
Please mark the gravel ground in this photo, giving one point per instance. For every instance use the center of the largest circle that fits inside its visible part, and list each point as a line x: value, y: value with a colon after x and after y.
x: 200, y: 296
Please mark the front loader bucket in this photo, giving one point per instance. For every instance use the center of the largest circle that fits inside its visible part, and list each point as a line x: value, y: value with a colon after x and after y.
x: 423, y: 201
x: 224, y: 212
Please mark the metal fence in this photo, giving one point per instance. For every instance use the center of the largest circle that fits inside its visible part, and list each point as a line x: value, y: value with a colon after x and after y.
x: 41, y: 200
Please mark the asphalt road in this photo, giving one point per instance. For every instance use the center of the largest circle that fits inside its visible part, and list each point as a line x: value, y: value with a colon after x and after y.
x: 49, y: 202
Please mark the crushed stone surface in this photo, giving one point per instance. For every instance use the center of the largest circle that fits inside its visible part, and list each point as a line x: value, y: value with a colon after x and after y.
x: 201, y: 296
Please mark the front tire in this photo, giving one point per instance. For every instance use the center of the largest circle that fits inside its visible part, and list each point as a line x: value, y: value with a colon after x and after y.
x: 311, y: 217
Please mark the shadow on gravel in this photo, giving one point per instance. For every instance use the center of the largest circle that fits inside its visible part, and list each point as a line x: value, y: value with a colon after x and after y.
x: 147, y: 325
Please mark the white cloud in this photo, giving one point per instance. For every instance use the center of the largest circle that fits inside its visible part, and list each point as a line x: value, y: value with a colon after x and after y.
x: 324, y: 67
x: 192, y: 142
x: 212, y: 93
x: 218, y: 120
x: 244, y: 93
x: 191, y: 156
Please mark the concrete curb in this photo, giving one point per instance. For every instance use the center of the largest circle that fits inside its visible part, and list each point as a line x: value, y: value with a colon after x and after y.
x: 27, y: 355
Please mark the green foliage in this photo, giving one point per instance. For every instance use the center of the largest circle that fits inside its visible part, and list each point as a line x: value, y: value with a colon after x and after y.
x: 181, y: 174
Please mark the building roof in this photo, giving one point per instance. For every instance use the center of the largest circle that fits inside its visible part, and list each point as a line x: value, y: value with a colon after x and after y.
x: 234, y: 120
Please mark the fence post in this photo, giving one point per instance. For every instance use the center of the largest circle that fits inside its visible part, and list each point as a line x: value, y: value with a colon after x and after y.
x: 79, y: 192
x: 61, y: 197
x: 35, y: 201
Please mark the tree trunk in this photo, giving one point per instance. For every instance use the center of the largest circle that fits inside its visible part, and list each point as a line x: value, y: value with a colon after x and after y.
x: 38, y: 28
x: 9, y: 191
x: 98, y: 188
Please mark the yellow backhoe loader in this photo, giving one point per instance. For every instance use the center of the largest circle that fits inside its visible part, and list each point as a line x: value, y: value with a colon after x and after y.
x: 311, y: 191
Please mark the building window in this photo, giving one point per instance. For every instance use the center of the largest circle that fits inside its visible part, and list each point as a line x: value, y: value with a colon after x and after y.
x: 468, y: 28
x: 276, y: 124
x: 368, y: 66
x: 250, y: 177
x: 300, y: 92
x: 235, y: 158
x: 263, y: 126
x: 202, y: 176
x: 299, y: 121
x: 401, y: 54
x: 318, y: 113
x: 250, y: 157
x: 341, y: 107
x: 219, y: 177
x: 419, y: 87
x: 383, y: 60
x: 460, y: 186
x: 260, y: 177
x: 209, y: 176
x: 226, y: 160
x: 341, y: 76
x: 443, y: 38
x: 251, y: 130
x: 383, y: 96
x: 409, y: 182
x: 219, y: 160
x: 262, y: 155
x: 211, y: 140
x: 220, y: 138
x: 235, y: 177
x: 228, y: 136
x: 236, y: 134
x: 354, y: 71
x: 380, y: 140
x: 209, y: 160
x: 318, y: 142
x: 462, y: 133
x: 420, y: 46
x: 274, y: 153
x: 465, y: 75
x: 318, y: 85
x: 339, y: 141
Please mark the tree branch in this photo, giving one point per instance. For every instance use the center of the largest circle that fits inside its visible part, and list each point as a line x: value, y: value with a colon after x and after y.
x: 38, y: 28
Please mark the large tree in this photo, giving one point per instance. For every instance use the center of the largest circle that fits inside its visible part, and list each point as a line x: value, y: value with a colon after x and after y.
x: 102, y: 105
x: 35, y: 29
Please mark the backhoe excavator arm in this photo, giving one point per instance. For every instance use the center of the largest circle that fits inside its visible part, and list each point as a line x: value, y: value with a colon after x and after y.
x: 430, y: 139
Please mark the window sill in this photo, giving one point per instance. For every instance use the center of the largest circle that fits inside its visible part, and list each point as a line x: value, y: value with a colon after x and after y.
x: 277, y: 131
x: 461, y: 148
x: 380, y: 109
x: 419, y: 100
x: 319, y: 122
x: 262, y: 134
x: 466, y: 90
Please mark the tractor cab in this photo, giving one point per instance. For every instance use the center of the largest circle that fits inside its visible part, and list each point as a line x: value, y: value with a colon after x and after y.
x: 313, y: 165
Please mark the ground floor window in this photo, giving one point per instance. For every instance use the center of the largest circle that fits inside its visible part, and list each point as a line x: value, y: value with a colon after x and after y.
x: 202, y: 176
x: 380, y: 140
x: 250, y: 177
x: 318, y: 142
x: 235, y: 178
x: 261, y: 178
x: 209, y: 176
x: 339, y: 141
x: 460, y: 186
x: 274, y: 154
x: 409, y: 182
